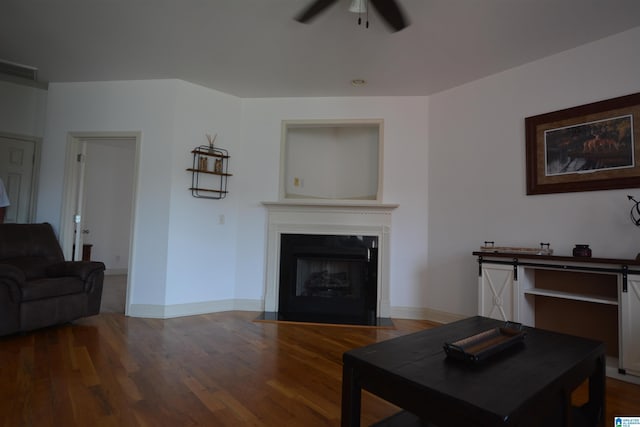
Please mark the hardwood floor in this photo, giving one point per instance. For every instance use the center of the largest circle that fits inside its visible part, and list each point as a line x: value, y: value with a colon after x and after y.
x: 219, y: 369
x: 114, y: 291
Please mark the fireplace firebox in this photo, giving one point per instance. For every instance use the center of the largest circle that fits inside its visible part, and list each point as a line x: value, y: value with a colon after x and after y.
x: 328, y: 278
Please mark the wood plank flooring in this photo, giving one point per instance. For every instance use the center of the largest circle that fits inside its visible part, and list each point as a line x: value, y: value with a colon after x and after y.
x: 219, y: 369
x: 114, y: 291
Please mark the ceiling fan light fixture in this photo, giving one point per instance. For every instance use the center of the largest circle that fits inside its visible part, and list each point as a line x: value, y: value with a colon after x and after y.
x: 358, y: 6
x: 389, y: 10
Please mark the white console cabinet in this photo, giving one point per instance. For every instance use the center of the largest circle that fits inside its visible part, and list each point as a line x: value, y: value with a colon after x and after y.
x: 596, y: 298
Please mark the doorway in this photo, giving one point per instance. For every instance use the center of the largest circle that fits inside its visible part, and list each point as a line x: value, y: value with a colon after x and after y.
x: 97, y: 220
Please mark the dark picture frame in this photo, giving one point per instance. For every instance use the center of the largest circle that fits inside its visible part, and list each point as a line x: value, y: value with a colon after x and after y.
x: 590, y: 147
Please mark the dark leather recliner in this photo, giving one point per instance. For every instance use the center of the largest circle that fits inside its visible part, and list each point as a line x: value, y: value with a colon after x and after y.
x: 38, y: 288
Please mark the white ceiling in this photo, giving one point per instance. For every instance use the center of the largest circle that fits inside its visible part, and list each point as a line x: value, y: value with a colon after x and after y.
x: 253, y: 48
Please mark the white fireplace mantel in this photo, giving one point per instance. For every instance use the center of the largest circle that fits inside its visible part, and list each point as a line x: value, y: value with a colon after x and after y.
x: 323, y: 217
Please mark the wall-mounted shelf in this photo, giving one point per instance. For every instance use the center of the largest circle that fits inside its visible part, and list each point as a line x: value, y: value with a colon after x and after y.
x: 209, y: 172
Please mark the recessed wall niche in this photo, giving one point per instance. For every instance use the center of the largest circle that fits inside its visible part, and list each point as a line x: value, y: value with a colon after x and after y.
x: 331, y: 160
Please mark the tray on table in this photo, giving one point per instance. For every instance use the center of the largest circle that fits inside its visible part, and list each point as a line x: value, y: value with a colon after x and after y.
x: 483, y: 345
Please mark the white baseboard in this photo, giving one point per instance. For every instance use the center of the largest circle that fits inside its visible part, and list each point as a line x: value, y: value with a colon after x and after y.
x: 612, y: 372
x: 153, y: 311
x: 248, y: 305
x: 192, y: 309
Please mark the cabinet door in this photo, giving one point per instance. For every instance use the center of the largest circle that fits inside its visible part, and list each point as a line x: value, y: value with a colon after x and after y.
x: 629, y: 312
x: 496, y: 292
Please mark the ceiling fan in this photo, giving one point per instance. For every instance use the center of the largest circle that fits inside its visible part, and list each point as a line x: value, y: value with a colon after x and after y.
x: 389, y: 10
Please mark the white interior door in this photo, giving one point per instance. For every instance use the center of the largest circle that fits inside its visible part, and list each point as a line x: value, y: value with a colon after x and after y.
x: 17, y: 160
x: 108, y: 201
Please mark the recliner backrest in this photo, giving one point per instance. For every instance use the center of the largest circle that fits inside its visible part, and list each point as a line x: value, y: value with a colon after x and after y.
x: 30, y: 247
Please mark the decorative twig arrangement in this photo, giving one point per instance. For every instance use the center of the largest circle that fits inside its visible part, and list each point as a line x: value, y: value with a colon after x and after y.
x: 211, y: 140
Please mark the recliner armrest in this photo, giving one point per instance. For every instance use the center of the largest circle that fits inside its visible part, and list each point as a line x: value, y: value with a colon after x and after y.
x: 80, y: 269
x: 8, y: 271
x: 12, y: 277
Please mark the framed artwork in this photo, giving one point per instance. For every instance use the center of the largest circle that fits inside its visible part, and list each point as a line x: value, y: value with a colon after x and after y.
x: 590, y: 147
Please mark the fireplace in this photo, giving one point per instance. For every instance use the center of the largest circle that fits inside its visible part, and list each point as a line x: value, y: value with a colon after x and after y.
x: 358, y: 239
x: 328, y: 278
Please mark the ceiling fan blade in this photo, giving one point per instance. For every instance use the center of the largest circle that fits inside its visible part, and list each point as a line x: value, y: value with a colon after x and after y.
x: 391, y: 13
x: 314, y: 9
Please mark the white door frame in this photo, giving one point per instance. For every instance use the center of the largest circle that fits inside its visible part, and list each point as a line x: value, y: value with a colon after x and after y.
x: 70, y: 194
x: 81, y: 163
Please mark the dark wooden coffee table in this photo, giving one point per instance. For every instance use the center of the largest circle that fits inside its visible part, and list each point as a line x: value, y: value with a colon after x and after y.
x: 529, y: 384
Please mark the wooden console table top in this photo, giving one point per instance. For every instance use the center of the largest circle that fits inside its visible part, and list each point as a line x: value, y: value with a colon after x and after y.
x: 557, y: 258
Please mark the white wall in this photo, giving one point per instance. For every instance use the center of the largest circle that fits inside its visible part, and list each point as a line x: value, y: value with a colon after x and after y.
x: 453, y: 161
x: 477, y: 168
x: 22, y: 109
x: 202, y: 251
x: 181, y: 252
x: 146, y: 106
x: 405, y: 181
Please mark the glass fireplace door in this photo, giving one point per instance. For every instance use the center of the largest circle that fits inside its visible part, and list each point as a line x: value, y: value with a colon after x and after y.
x: 328, y: 279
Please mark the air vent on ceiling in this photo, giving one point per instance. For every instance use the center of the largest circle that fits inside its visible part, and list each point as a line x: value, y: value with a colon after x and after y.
x: 17, y: 70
